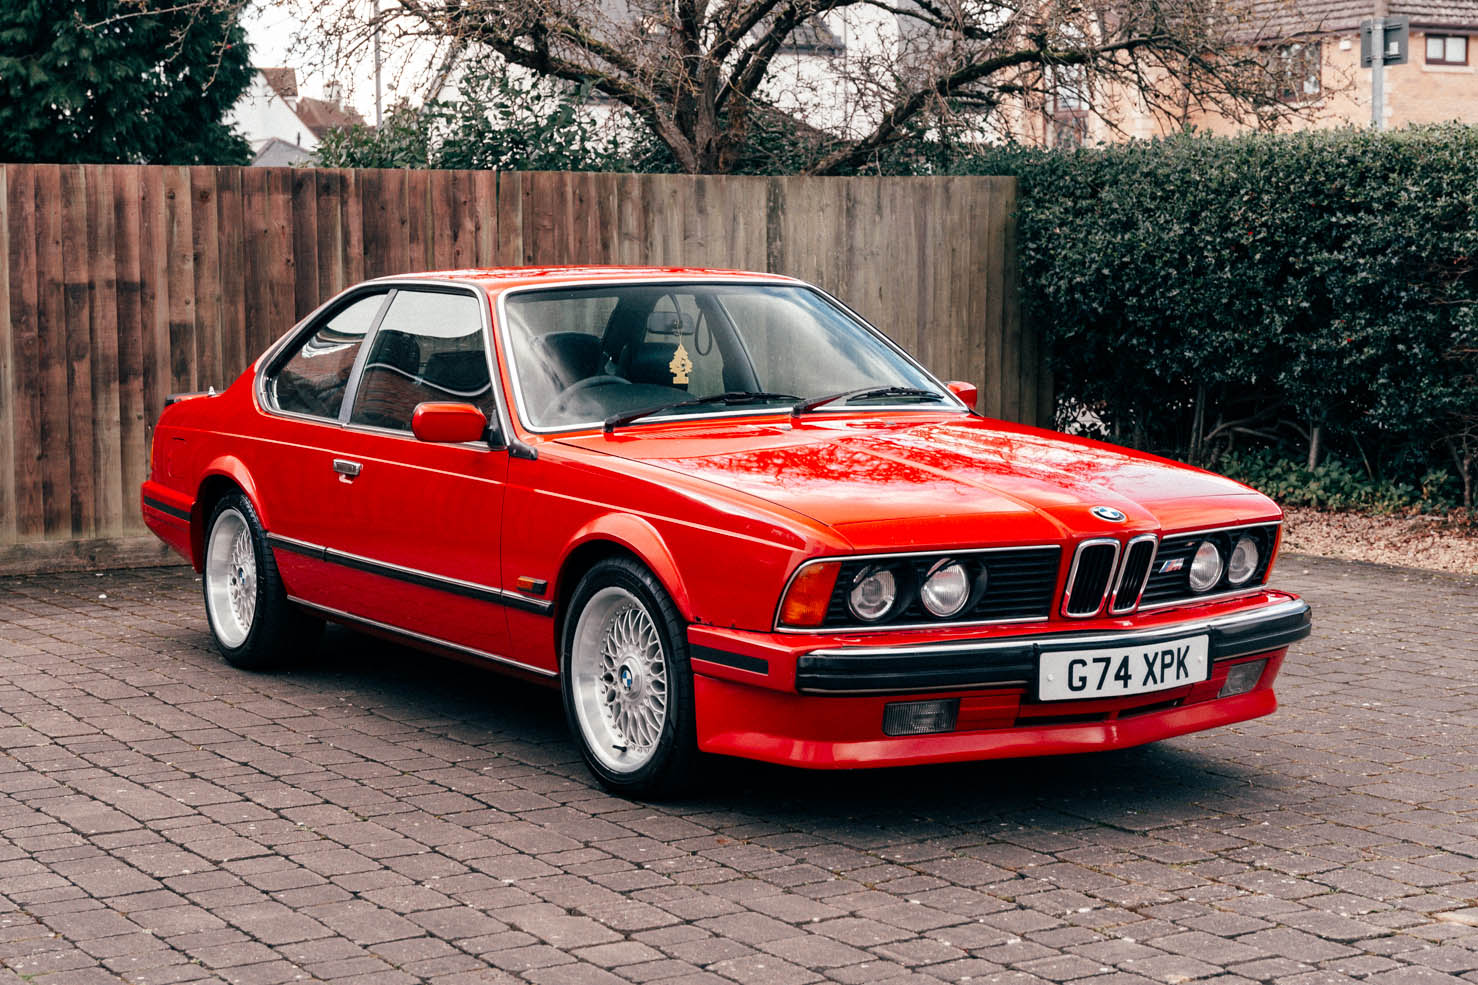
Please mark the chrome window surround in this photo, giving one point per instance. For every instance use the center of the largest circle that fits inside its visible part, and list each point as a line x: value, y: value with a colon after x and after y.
x: 505, y: 341
x: 779, y: 627
x: 1072, y: 576
x: 1123, y: 566
x: 389, y: 286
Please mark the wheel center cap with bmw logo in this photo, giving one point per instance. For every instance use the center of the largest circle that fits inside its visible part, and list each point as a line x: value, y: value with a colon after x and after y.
x: 1108, y: 513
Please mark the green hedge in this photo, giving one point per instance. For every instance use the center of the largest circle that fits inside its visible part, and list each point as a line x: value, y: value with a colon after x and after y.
x: 1204, y: 296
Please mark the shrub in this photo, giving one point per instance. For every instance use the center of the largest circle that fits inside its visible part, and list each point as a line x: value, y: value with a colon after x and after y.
x: 1305, y: 292
x: 1334, y: 485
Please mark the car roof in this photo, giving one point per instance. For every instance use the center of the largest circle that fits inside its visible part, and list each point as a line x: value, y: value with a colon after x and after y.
x: 498, y: 279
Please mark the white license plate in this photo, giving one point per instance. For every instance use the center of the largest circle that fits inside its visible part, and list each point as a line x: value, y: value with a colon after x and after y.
x: 1111, y: 672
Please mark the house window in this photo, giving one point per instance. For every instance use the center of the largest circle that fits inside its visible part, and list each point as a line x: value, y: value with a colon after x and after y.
x: 1295, y: 71
x: 1068, y: 118
x: 1447, y: 49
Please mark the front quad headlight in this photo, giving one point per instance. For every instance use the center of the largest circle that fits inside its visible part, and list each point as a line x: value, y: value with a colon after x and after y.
x: 873, y: 594
x: 946, y: 588
x: 1243, y: 562
x: 1205, y: 567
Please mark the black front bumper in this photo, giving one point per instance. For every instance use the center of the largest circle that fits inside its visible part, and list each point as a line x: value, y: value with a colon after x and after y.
x: 1013, y: 662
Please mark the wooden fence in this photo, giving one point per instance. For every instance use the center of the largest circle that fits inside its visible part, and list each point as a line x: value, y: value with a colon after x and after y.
x: 122, y: 284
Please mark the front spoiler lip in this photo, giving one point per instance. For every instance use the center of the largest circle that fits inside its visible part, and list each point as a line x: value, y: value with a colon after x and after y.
x: 1012, y: 662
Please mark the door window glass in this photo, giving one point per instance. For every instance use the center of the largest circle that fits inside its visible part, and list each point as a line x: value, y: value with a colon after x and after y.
x: 314, y: 379
x: 429, y: 347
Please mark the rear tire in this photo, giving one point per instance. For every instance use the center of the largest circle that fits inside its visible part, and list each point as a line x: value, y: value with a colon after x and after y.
x: 251, y: 620
x: 627, y: 683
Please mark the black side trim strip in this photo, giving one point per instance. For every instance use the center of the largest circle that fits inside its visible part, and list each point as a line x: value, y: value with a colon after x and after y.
x: 294, y: 547
x: 414, y: 578
x: 739, y: 661
x: 164, y: 507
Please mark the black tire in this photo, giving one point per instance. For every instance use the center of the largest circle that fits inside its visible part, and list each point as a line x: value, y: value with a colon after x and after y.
x: 276, y: 630
x: 674, y: 758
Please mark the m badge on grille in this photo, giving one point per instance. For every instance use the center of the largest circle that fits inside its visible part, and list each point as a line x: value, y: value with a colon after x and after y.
x: 1174, y: 564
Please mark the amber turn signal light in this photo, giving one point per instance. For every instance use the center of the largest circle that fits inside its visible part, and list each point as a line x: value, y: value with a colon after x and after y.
x: 809, y: 595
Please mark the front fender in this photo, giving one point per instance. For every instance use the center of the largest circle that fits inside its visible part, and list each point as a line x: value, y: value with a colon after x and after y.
x: 640, y: 537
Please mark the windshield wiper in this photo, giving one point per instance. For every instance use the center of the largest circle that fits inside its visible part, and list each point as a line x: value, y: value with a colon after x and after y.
x: 805, y: 407
x: 728, y: 397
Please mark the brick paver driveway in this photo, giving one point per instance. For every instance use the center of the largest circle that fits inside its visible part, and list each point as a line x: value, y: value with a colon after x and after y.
x: 383, y: 817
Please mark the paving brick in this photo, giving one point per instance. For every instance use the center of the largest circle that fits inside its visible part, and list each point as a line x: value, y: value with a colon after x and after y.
x: 380, y: 817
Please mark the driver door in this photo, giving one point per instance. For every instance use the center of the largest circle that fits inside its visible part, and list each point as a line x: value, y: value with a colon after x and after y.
x: 423, y: 540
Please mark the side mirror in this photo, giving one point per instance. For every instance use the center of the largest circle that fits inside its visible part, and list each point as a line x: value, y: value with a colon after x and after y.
x: 968, y: 392
x: 448, y: 423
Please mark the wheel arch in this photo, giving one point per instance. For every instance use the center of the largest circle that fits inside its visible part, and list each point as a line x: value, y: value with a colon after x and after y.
x: 617, y: 535
x: 220, y: 478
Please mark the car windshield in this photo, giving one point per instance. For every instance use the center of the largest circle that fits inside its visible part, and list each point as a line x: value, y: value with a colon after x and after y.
x: 582, y: 355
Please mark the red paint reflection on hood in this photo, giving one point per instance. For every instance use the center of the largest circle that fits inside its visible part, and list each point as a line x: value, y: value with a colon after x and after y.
x: 928, y: 468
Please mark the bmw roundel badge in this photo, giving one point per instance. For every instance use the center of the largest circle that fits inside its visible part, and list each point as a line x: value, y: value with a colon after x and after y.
x: 1108, y: 513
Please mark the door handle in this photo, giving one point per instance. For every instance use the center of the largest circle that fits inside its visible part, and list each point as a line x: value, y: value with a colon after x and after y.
x: 347, y: 468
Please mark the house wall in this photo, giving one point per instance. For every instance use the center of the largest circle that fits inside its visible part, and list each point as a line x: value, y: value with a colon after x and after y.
x: 261, y: 114
x: 1414, y: 93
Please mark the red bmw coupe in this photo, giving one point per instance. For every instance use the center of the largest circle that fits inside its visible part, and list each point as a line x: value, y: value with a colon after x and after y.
x: 726, y: 515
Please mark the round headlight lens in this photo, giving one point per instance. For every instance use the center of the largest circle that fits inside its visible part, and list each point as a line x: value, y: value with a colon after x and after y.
x: 1205, y: 568
x: 946, y: 589
x: 873, y: 593
x: 1243, y: 561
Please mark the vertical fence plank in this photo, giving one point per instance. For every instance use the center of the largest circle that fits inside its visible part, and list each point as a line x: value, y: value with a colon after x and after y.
x: 281, y: 303
x: 205, y: 253
x: 375, y: 223
x: 417, y: 230
x: 51, y: 329
x: 154, y: 291
x: 257, y: 251
x: 328, y: 251
x: 76, y: 273
x: 7, y: 376
x: 180, y: 249
x: 107, y: 433
x: 507, y: 206
x: 25, y: 348
x: 235, y: 354
x: 487, y: 212
x: 305, y: 242
x: 354, y: 244
x: 445, y: 212
x: 128, y: 297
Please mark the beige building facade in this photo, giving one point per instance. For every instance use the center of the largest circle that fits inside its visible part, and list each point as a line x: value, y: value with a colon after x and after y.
x: 1317, y: 57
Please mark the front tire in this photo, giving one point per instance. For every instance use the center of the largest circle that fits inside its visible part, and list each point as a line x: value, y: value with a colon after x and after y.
x: 253, y: 624
x: 626, y: 681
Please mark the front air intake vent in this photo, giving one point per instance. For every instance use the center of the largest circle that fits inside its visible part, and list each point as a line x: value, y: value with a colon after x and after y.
x: 1088, y: 581
x: 1133, y: 574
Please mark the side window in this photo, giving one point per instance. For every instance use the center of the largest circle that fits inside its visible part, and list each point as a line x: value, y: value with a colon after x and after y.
x: 313, y: 380
x: 429, y: 347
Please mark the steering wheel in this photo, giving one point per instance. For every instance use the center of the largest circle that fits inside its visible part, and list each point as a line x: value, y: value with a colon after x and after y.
x: 580, y: 386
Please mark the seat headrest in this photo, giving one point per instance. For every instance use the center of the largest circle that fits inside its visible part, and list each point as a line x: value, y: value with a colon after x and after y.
x: 576, y: 355
x: 399, y: 350
x: 650, y: 362
x: 462, y: 372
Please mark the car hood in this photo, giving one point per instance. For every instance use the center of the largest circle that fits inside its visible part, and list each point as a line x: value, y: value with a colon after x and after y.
x: 944, y: 476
